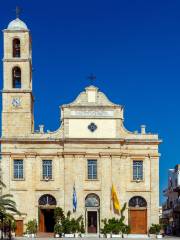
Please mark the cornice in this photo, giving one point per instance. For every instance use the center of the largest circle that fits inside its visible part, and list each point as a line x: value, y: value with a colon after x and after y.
x: 81, y: 154
x: 138, y: 191
x: 17, y: 60
x: 82, y: 141
x: 17, y: 91
x: 16, y: 30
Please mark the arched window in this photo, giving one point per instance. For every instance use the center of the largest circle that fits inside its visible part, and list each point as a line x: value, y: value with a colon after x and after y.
x: 92, y: 200
x: 16, y: 77
x: 137, y: 202
x: 16, y: 48
x: 47, y: 199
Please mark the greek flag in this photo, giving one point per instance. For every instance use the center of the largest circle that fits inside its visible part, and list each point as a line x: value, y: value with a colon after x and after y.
x: 74, y: 199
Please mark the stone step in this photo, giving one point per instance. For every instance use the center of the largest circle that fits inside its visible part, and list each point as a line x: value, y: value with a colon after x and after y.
x: 144, y: 236
x: 45, y: 235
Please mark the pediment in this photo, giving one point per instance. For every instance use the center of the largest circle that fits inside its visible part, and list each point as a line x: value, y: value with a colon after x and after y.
x: 91, y: 97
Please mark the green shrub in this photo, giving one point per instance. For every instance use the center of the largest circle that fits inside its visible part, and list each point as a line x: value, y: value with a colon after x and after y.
x: 115, y: 226
x: 68, y: 224
x: 58, y: 229
x: 31, y: 226
x: 155, y: 229
x: 58, y: 214
x: 82, y: 228
x: 125, y: 229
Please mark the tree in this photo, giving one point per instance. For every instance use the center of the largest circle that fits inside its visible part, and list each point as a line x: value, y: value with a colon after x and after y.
x: 7, y: 209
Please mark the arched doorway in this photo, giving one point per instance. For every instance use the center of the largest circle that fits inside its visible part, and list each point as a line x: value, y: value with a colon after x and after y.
x: 92, y: 204
x: 138, y: 215
x: 47, y: 204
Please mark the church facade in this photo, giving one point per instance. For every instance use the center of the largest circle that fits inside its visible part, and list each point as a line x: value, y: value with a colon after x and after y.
x: 91, y: 151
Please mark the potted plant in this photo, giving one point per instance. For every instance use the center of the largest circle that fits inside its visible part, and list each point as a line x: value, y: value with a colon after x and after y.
x: 66, y: 223
x: 125, y: 229
x: 31, y: 227
x: 115, y: 227
x: 75, y: 227
x: 152, y: 231
x: 67, y: 226
x: 58, y: 230
x: 106, y: 230
x: 78, y: 226
x: 82, y: 228
x: 155, y: 229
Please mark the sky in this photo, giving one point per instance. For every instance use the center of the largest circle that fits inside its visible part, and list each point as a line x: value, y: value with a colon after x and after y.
x: 133, y: 48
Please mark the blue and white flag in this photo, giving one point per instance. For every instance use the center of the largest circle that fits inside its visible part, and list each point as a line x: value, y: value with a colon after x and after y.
x: 74, y: 199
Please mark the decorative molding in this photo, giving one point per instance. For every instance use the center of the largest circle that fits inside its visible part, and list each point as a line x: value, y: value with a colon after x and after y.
x: 92, y: 113
x: 65, y: 154
x: 15, y: 31
x: 17, y: 60
x: 80, y: 140
x: 92, y: 190
x: 138, y: 191
x: 18, y: 190
x: 84, y: 154
x: 47, y: 190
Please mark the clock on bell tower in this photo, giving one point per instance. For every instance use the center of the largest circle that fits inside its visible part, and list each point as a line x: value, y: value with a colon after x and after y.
x: 17, y: 98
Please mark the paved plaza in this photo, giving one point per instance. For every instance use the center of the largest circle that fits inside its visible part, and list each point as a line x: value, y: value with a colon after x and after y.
x: 94, y: 238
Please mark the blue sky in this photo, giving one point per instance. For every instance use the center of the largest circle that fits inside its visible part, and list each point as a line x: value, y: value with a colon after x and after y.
x: 133, y: 47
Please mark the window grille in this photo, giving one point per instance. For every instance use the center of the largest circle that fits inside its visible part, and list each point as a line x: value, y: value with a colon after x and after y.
x: 92, y: 169
x: 18, y: 169
x: 47, y: 169
x: 92, y: 200
x: 137, y: 202
x: 137, y: 170
x: 47, y: 200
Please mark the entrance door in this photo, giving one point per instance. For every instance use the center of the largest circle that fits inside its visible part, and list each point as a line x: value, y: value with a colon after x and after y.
x: 46, y: 220
x: 92, y: 221
x: 19, y: 228
x: 138, y: 221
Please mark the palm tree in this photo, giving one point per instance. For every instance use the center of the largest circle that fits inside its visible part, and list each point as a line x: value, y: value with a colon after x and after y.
x: 7, y: 209
x: 7, y: 204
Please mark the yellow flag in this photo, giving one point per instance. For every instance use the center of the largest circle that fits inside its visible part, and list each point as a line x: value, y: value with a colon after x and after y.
x: 115, y: 199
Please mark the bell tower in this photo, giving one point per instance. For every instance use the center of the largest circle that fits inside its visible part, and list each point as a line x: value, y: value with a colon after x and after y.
x: 17, y: 98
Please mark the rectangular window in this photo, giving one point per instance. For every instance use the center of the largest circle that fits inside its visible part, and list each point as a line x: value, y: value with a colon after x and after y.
x: 137, y: 170
x: 92, y: 169
x: 18, y: 169
x: 47, y: 169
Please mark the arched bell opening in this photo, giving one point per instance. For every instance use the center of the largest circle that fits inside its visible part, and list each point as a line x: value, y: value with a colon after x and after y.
x: 16, y: 48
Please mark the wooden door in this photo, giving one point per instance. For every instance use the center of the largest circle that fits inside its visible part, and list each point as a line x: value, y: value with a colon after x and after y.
x: 41, y: 221
x: 138, y: 221
x: 19, y: 228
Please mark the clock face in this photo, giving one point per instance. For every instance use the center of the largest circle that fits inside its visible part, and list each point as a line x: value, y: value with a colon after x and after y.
x: 16, y: 102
